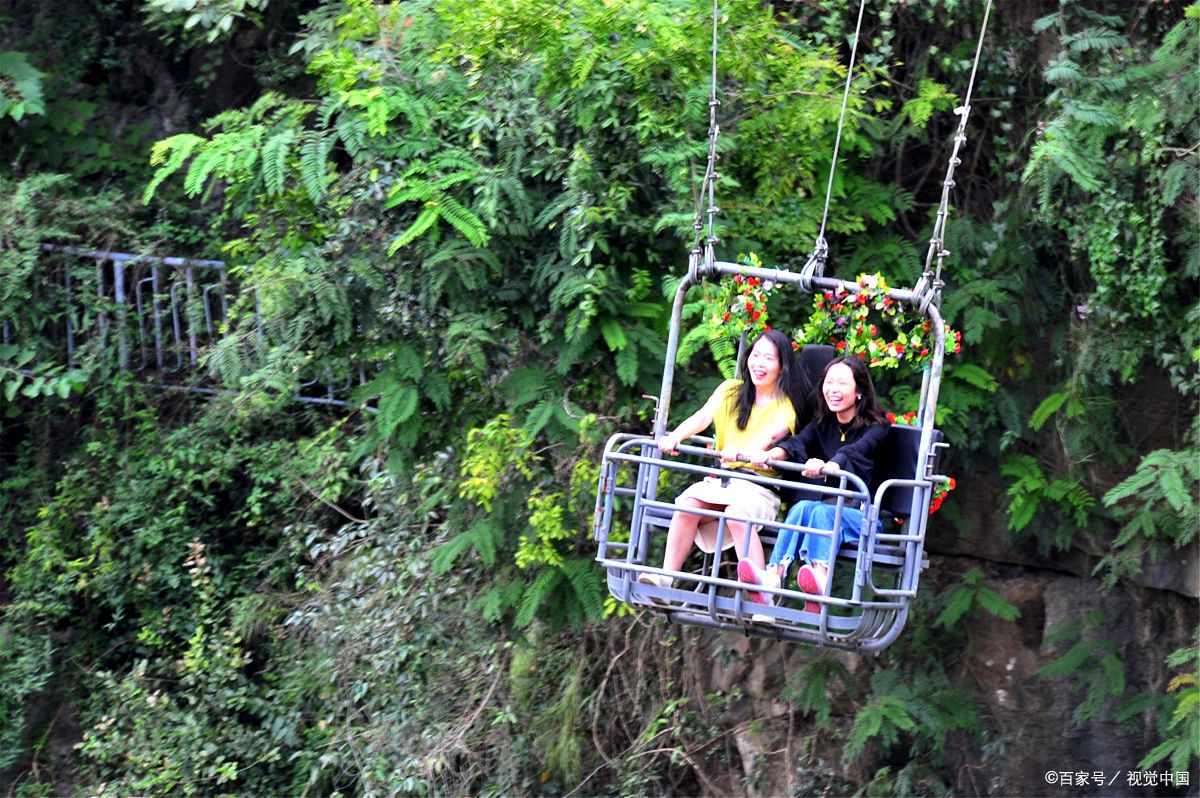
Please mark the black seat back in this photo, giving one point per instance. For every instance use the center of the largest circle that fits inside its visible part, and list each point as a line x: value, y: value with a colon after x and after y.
x: 813, y: 359
x: 897, y: 459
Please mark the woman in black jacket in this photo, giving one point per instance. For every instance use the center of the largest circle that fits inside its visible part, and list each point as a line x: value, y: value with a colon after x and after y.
x: 844, y: 435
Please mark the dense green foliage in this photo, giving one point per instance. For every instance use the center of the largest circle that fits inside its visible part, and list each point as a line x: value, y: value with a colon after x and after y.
x: 484, y: 207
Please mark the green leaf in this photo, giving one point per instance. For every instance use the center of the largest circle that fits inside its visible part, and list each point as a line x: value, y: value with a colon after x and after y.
x: 1068, y: 663
x: 395, y: 407
x: 539, y: 416
x: 1047, y: 408
x: 587, y: 585
x: 1173, y: 489
x: 274, y: 160
x: 957, y: 603
x: 483, y: 534
x: 526, y: 385
x: 996, y: 604
x: 463, y: 220
x: 1043, y: 24
x: 314, y: 164
x: 437, y: 389
x: 424, y: 221
x: 1133, y: 484
x: 627, y: 365
x: 407, y: 362
x: 1063, y: 72
x: 974, y: 375
x: 614, y: 336
x: 1095, y: 39
x: 171, y: 153
x: 22, y: 93
x: 536, y: 595
x: 442, y: 557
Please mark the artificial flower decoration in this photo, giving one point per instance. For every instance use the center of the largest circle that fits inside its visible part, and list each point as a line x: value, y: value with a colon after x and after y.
x: 862, y: 320
x: 940, y: 491
x: 855, y: 323
x: 740, y: 303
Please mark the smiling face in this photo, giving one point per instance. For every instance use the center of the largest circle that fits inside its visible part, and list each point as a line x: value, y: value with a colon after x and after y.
x: 840, y: 391
x: 763, y: 365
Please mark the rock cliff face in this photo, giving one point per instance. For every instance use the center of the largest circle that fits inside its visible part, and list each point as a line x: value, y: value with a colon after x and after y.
x: 1030, y: 735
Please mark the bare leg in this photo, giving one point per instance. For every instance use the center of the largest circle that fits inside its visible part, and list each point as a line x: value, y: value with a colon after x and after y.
x: 738, y: 530
x: 682, y: 533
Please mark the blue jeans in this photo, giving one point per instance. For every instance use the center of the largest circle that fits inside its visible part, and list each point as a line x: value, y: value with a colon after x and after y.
x: 817, y: 548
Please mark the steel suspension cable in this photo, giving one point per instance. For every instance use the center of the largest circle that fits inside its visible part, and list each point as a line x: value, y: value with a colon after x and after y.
x: 708, y: 188
x: 837, y: 141
x: 815, y: 265
x: 929, y: 287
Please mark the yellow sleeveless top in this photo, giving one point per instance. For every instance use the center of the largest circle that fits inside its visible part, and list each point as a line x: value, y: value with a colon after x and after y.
x: 762, y: 430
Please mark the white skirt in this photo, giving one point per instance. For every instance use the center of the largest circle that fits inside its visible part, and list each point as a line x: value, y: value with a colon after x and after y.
x: 747, y: 498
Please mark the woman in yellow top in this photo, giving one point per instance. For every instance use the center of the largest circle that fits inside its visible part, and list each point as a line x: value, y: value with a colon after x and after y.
x: 756, y: 412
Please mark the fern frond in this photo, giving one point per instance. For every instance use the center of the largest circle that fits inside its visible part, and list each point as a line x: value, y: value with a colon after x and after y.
x: 1100, y: 18
x: 996, y: 604
x: 1145, y: 475
x: 424, y: 221
x: 541, y: 414
x: 314, y: 166
x: 410, y: 190
x: 1043, y: 24
x: 526, y: 384
x: 1063, y: 72
x: 437, y: 389
x: 1092, y: 114
x: 352, y: 130
x: 171, y: 153
x: 693, y: 341
x: 978, y: 320
x: 568, y: 288
x: 587, y: 585
x: 485, y: 534
x: 536, y: 594
x: 576, y: 349
x: 274, y: 159
x: 1175, y: 179
x: 614, y: 336
x: 519, y: 198
x: 443, y: 557
x: 724, y: 351
x: 463, y: 220
x: 1047, y: 408
x: 200, y: 170
x: 1095, y: 39
x: 627, y: 365
x: 395, y: 407
x: 454, y: 178
x: 555, y: 208
x: 408, y: 363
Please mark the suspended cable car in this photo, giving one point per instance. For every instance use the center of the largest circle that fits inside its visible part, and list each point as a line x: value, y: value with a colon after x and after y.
x: 864, y: 611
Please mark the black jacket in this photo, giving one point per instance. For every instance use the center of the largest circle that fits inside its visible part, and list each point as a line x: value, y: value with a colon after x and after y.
x: 856, y: 454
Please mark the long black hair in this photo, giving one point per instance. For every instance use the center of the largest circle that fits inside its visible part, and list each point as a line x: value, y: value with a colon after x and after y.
x: 793, y: 381
x: 867, y: 410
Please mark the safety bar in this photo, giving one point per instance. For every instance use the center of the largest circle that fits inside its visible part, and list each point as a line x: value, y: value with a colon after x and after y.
x: 875, y: 613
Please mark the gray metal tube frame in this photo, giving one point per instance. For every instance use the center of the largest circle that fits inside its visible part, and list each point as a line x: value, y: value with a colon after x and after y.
x: 930, y: 385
